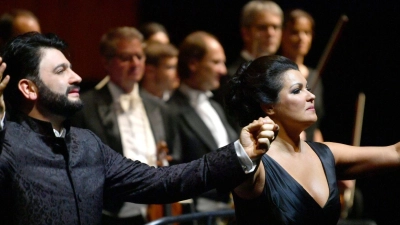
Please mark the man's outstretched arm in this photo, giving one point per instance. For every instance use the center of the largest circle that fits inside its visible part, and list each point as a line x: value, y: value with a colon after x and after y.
x: 221, y: 169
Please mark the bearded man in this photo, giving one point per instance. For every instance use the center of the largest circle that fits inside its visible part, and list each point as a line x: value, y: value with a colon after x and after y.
x: 52, y: 173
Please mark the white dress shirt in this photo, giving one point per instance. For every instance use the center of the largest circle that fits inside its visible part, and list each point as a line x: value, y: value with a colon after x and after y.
x: 199, y: 100
x: 136, y: 136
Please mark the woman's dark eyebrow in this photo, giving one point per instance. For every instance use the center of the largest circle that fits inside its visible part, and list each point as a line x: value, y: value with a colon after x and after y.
x: 300, y: 84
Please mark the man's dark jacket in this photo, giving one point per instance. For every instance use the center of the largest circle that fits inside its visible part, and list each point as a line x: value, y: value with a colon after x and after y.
x: 50, y: 180
x: 99, y: 116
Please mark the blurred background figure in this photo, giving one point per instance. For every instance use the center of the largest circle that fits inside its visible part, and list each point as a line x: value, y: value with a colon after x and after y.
x: 160, y: 77
x: 261, y: 31
x: 132, y: 124
x: 153, y: 31
x: 297, y: 35
x: 17, y: 22
x: 203, y: 126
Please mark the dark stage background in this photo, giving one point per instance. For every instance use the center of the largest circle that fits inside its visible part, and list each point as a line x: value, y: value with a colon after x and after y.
x: 365, y: 59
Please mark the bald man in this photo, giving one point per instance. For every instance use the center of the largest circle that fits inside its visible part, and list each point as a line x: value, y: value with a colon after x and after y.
x: 16, y: 22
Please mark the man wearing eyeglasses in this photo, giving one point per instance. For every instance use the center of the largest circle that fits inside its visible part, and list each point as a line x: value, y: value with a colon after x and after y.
x: 138, y: 127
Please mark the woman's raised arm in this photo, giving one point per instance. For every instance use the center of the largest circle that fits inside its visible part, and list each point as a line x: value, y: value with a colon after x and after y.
x: 353, y: 161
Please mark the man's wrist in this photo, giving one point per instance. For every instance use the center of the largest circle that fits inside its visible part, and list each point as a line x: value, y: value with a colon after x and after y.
x: 247, y: 164
x: 2, y: 120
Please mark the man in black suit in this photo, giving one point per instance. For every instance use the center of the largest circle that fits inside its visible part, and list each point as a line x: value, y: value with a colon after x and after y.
x: 202, y: 124
x: 126, y: 118
x: 54, y: 173
x: 261, y: 31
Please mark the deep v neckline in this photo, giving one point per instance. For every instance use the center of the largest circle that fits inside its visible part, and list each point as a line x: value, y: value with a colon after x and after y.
x: 301, y: 186
x: 284, y: 201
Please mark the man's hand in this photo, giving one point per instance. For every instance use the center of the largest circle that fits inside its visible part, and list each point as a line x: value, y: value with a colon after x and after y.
x: 257, y: 137
x: 3, y: 85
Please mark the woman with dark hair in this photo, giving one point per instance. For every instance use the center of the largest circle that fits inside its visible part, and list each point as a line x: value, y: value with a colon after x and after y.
x: 296, y: 183
x: 297, y: 36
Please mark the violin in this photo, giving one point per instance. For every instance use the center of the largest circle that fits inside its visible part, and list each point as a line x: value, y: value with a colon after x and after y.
x: 157, y: 211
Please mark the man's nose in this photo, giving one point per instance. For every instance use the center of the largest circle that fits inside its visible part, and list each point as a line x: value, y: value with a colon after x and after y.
x: 135, y: 60
x: 75, y: 78
x: 223, y: 70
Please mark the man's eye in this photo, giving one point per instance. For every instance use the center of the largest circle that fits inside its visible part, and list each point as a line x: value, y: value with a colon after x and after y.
x: 170, y: 67
x: 262, y: 27
x: 59, y: 71
x: 125, y: 57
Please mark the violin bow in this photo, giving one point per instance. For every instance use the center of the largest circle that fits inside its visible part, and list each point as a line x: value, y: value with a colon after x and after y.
x: 328, y: 49
x: 348, y: 194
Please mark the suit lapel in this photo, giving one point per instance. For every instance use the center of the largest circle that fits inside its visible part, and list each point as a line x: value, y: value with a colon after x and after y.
x: 154, y: 116
x: 193, y: 120
x: 108, y: 118
x: 232, y: 135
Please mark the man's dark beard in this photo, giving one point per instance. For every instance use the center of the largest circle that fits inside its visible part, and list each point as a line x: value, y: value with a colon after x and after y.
x: 58, y: 104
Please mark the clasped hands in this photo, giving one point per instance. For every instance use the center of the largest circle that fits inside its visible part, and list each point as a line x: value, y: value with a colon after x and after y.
x: 256, y: 138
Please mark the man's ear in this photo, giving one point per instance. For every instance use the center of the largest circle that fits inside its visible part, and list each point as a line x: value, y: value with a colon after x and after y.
x: 244, y: 31
x: 28, y: 89
x: 104, y: 62
x: 268, y: 109
x: 193, y: 64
